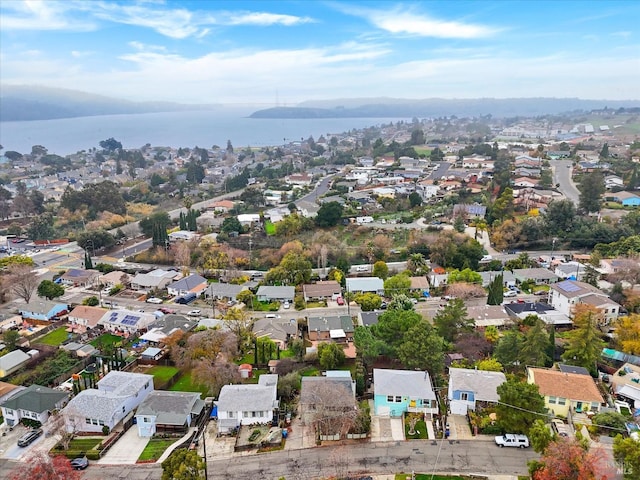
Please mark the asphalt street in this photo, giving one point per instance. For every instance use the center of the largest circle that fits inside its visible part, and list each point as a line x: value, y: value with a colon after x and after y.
x: 478, y: 456
x: 562, y: 175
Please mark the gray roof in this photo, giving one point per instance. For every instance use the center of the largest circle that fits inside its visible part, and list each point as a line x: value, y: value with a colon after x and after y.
x: 36, y: 398
x: 535, y: 273
x: 124, y: 383
x: 484, y: 384
x: 170, y: 408
x: 573, y: 369
x: 573, y: 289
x: 276, y: 292
x: 365, y: 284
x: 169, y: 323
x: 369, y: 318
x: 87, y: 350
x: 188, y: 283
x: 340, y: 387
x: 275, y: 328
x: 488, y: 277
x: 402, y: 382
x: 224, y: 290
x: 234, y: 398
x: 92, y: 403
x: 40, y: 306
x: 12, y: 359
x: 324, y: 324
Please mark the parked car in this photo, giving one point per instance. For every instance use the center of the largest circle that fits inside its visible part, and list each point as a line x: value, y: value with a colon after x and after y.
x: 512, y: 440
x: 560, y: 428
x: 362, y: 268
x: 340, y: 301
x: 80, y: 463
x: 510, y: 293
x: 154, y: 300
x: 29, y: 437
x: 286, y: 305
x: 167, y: 310
x: 194, y: 313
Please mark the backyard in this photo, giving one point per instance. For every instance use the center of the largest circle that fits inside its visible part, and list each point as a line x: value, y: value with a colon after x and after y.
x: 162, y: 374
x: 105, y: 339
x: 185, y: 384
x: 155, y: 448
x: 55, y: 337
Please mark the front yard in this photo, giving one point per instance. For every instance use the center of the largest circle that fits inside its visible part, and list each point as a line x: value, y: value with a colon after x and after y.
x: 55, y: 337
x: 155, y: 448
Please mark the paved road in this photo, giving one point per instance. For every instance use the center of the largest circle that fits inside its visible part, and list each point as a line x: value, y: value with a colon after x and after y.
x: 441, y: 171
x: 562, y: 175
x: 473, y: 456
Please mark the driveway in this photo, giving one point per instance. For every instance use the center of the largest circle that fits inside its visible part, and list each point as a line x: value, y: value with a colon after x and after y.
x: 126, y: 450
x: 459, y: 427
x: 386, y: 429
x: 9, y: 448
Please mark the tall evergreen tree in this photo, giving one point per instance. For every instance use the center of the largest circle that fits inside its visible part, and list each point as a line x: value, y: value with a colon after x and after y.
x: 88, y: 263
x: 584, y: 343
x: 496, y: 293
x: 535, y: 346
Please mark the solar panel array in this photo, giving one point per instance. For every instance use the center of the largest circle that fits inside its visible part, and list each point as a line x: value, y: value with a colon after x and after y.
x: 568, y: 286
x: 130, y: 320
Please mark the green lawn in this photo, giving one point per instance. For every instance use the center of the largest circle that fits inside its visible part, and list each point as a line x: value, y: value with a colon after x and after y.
x: 162, y: 373
x: 310, y: 372
x: 421, y: 431
x: 106, y: 339
x: 269, y: 228
x: 84, y: 443
x: 185, y: 384
x: 55, y: 337
x: 155, y: 448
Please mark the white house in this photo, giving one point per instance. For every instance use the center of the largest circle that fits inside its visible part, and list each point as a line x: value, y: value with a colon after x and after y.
x: 117, y: 396
x: 126, y: 321
x: 247, y: 404
x: 12, y: 362
x: 34, y: 402
x: 568, y: 293
x: 365, y: 284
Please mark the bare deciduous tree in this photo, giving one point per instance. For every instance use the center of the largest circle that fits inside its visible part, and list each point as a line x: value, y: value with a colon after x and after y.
x: 23, y: 282
x: 215, y: 375
x: 329, y: 405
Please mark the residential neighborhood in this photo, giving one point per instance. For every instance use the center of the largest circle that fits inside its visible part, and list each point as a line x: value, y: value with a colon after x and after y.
x: 483, y: 292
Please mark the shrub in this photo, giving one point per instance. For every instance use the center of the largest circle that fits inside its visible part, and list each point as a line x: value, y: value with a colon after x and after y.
x: 28, y: 422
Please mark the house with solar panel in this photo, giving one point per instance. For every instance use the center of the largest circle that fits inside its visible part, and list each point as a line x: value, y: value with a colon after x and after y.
x: 75, y: 277
x: 568, y: 293
x: 126, y: 321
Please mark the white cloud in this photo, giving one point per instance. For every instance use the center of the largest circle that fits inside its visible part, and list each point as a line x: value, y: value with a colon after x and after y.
x: 265, y: 19
x: 623, y: 34
x: 43, y: 15
x: 81, y: 54
x: 146, y: 47
x: 407, y: 21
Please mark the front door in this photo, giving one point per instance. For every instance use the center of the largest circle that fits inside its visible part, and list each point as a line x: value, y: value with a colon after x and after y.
x: 578, y: 406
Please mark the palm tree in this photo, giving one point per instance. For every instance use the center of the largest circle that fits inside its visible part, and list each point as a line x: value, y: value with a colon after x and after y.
x: 480, y: 225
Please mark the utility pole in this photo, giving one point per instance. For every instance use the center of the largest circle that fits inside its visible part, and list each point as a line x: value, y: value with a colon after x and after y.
x: 250, y: 251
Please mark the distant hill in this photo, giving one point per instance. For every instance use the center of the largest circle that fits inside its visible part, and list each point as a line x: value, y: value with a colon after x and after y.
x: 25, y: 102
x: 438, y: 107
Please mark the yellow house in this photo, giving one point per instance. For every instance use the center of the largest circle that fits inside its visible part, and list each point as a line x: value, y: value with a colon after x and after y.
x: 564, y: 391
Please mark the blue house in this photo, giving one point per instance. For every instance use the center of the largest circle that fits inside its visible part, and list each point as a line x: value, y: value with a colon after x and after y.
x: 468, y: 388
x: 43, y: 310
x: 400, y: 391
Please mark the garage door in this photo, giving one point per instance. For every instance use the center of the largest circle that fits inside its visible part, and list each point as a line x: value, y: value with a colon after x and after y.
x: 383, y: 411
x: 458, y: 407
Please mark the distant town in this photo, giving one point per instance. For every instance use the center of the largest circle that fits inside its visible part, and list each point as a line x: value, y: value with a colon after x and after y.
x: 439, y: 288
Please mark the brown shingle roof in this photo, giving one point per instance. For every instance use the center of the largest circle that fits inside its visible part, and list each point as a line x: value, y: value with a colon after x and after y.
x: 90, y: 314
x: 566, y: 385
x: 419, y: 283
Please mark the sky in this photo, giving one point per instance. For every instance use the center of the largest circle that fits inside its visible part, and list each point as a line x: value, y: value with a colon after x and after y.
x: 285, y: 52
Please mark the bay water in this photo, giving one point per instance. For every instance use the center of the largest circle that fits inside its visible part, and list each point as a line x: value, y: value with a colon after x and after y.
x: 203, y: 128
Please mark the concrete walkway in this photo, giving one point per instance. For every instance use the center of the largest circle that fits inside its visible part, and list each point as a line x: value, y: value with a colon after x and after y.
x: 126, y: 450
x: 386, y: 429
x: 459, y: 427
x: 173, y: 446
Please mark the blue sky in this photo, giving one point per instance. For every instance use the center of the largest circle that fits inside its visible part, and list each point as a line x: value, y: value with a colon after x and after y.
x: 261, y: 52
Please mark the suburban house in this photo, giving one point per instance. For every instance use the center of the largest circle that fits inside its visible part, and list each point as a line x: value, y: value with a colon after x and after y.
x: 155, y: 280
x: 335, y: 329
x: 41, y: 310
x: 420, y: 285
x: 469, y: 210
x: 366, y: 319
x: 546, y: 313
x: 469, y: 389
x: 281, y: 331
x: 539, y: 276
x: 126, y: 321
x: 34, y: 402
x: 80, y: 349
x: 75, y: 277
x: 168, y: 412
x: 12, y: 362
x: 7, y: 390
x: 486, y: 315
x: 627, y: 199
x: 268, y: 293
x: 247, y: 404
x: 86, y: 316
x: 400, y: 391
x: 437, y: 280
x: 626, y: 383
x: 570, y: 270
x: 218, y: 291
x: 365, y: 284
x: 508, y: 278
x: 323, y: 290
x: 566, y: 392
x: 166, y: 325
x: 117, y: 395
x: 615, y: 265
x: 193, y: 283
x: 183, y: 236
x: 568, y: 293
x: 324, y: 401
x: 222, y: 206
x: 113, y: 278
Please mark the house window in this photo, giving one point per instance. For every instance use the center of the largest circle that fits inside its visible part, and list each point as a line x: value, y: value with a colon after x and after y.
x: 552, y: 400
x: 123, y: 409
x: 245, y: 414
x: 87, y: 421
x: 390, y: 398
x: 464, y: 396
x: 231, y: 415
x: 146, y: 419
x: 101, y: 423
x: 595, y: 406
x: 253, y: 414
x: 562, y: 401
x: 398, y: 399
